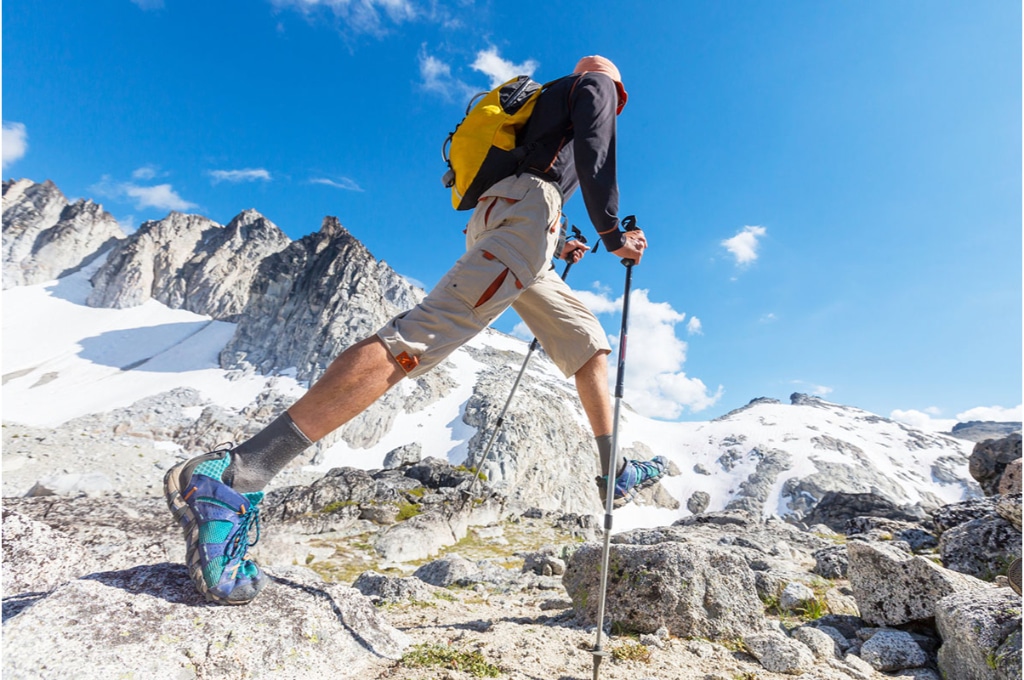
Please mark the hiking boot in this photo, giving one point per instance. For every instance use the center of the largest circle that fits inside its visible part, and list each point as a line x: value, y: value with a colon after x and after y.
x: 635, y: 477
x: 217, y: 521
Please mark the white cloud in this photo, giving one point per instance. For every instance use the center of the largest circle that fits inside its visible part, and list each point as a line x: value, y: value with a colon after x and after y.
x: 362, y: 16
x: 996, y: 413
x: 655, y: 384
x: 127, y: 223
x: 413, y: 282
x: 15, y: 143
x: 923, y: 421
x: 816, y: 390
x: 146, y: 172
x: 500, y: 70
x: 743, y: 245
x: 693, y: 326
x: 522, y: 331
x: 236, y: 176
x: 160, y: 196
x: 340, y: 183
x: 926, y: 419
x: 599, y: 302
x: 436, y: 76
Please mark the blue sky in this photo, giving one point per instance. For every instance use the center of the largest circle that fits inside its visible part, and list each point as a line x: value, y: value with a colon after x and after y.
x: 831, y: 189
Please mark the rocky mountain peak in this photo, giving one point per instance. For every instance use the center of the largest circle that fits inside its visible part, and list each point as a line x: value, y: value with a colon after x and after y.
x: 331, y: 227
x: 800, y: 399
x: 250, y: 223
x: 979, y: 430
x: 311, y: 300
x: 45, y: 238
x: 189, y: 262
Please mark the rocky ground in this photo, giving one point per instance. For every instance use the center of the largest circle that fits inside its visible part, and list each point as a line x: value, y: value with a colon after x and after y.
x: 480, y: 614
x: 534, y: 635
x: 71, y: 460
x: 451, y: 584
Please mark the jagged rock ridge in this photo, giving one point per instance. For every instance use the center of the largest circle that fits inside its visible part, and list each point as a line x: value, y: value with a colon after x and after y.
x: 980, y: 430
x: 313, y: 299
x: 45, y: 237
x: 188, y: 262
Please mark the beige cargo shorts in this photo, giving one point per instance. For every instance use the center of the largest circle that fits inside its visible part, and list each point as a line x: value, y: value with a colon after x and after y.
x: 510, y: 241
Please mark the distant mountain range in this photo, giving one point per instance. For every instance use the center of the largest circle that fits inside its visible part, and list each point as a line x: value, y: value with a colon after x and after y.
x: 96, y: 320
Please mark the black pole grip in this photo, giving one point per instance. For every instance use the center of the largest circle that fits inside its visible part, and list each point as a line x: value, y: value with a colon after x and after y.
x: 629, y: 224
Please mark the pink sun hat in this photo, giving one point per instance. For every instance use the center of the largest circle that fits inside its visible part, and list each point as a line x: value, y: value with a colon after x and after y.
x: 599, y: 64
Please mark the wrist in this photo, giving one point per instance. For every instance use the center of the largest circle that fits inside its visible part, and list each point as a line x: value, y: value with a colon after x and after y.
x: 613, y: 240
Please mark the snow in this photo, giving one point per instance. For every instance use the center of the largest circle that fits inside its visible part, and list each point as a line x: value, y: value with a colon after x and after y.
x: 96, y: 360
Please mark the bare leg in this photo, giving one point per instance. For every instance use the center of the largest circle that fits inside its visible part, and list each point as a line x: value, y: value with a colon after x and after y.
x: 592, y: 386
x: 355, y: 379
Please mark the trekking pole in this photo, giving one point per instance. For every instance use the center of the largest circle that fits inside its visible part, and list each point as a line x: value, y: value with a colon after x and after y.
x: 578, y: 236
x: 629, y: 224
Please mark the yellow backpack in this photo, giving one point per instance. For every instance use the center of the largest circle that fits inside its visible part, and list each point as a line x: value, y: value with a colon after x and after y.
x: 482, y: 150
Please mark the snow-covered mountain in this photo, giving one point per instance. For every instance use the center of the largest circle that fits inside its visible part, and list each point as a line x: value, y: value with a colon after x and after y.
x: 144, y: 319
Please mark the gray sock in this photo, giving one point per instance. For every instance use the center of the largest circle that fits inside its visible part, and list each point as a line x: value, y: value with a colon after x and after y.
x: 604, y: 451
x: 255, y: 462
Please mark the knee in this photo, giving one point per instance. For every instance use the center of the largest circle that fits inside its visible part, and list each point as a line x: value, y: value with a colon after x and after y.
x: 595, y: 364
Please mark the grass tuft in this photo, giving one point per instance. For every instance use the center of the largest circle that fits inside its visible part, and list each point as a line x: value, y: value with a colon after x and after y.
x: 631, y: 651
x: 442, y: 656
x: 407, y: 510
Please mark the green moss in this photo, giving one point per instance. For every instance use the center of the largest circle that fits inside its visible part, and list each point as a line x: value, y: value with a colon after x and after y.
x: 407, y: 510
x: 441, y: 656
x: 471, y: 471
x: 337, y: 505
x: 418, y: 492
x: 631, y: 651
x: 838, y: 539
x: 735, y: 645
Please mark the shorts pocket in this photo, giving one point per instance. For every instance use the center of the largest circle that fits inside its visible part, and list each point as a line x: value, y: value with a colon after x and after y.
x: 484, y: 284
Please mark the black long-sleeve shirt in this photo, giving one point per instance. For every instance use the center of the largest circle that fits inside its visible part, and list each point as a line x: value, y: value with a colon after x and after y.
x: 573, y: 131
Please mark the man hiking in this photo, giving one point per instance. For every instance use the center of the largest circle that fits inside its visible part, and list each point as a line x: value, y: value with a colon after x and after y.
x: 511, y: 239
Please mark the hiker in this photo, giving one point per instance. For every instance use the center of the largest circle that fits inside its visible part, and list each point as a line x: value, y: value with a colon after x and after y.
x: 512, y: 236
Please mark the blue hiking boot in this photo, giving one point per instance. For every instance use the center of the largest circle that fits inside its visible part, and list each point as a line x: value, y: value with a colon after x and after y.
x: 635, y: 477
x: 217, y: 521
